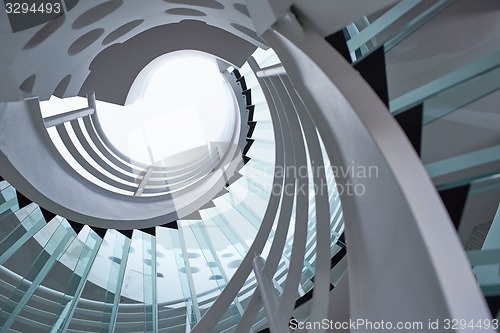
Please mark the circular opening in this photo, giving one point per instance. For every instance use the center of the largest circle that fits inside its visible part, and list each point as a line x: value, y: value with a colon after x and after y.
x: 179, y: 102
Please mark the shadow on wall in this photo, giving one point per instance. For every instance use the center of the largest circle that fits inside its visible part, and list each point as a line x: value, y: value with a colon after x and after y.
x: 112, y: 83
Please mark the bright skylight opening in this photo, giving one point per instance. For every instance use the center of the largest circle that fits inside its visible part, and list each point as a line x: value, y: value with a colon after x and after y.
x: 183, y: 104
x: 179, y: 102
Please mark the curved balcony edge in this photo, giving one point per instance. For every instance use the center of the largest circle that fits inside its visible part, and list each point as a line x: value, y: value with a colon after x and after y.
x: 33, y: 165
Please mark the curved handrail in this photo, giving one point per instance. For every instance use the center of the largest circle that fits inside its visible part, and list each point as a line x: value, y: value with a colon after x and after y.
x: 356, y: 126
x: 211, y: 317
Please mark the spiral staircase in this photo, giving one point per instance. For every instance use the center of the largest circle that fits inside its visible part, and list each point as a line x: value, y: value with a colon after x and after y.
x: 348, y: 117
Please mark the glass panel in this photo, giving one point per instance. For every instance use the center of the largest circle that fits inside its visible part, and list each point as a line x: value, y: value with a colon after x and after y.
x: 465, y: 161
x: 478, y: 184
x: 460, y: 95
x: 8, y: 199
x: 212, y: 258
x: 453, y: 91
x: 4, y: 184
x: 253, y: 184
x: 132, y: 306
x: 229, y: 246
x: 52, y: 250
x: 263, y: 151
x: 186, y: 278
x: 233, y: 224
x: 391, y: 27
x: 78, y: 259
x: 374, y: 28
x: 250, y: 79
x: 261, y: 112
x: 256, y: 166
x: 487, y: 272
x: 258, y: 181
x: 172, y: 313
x: 98, y: 305
x: 251, y: 206
x: 120, y: 247
x: 240, y: 234
x: 228, y: 320
x: 201, y: 275
x: 10, y: 220
x: 218, y: 275
x: 26, y: 222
